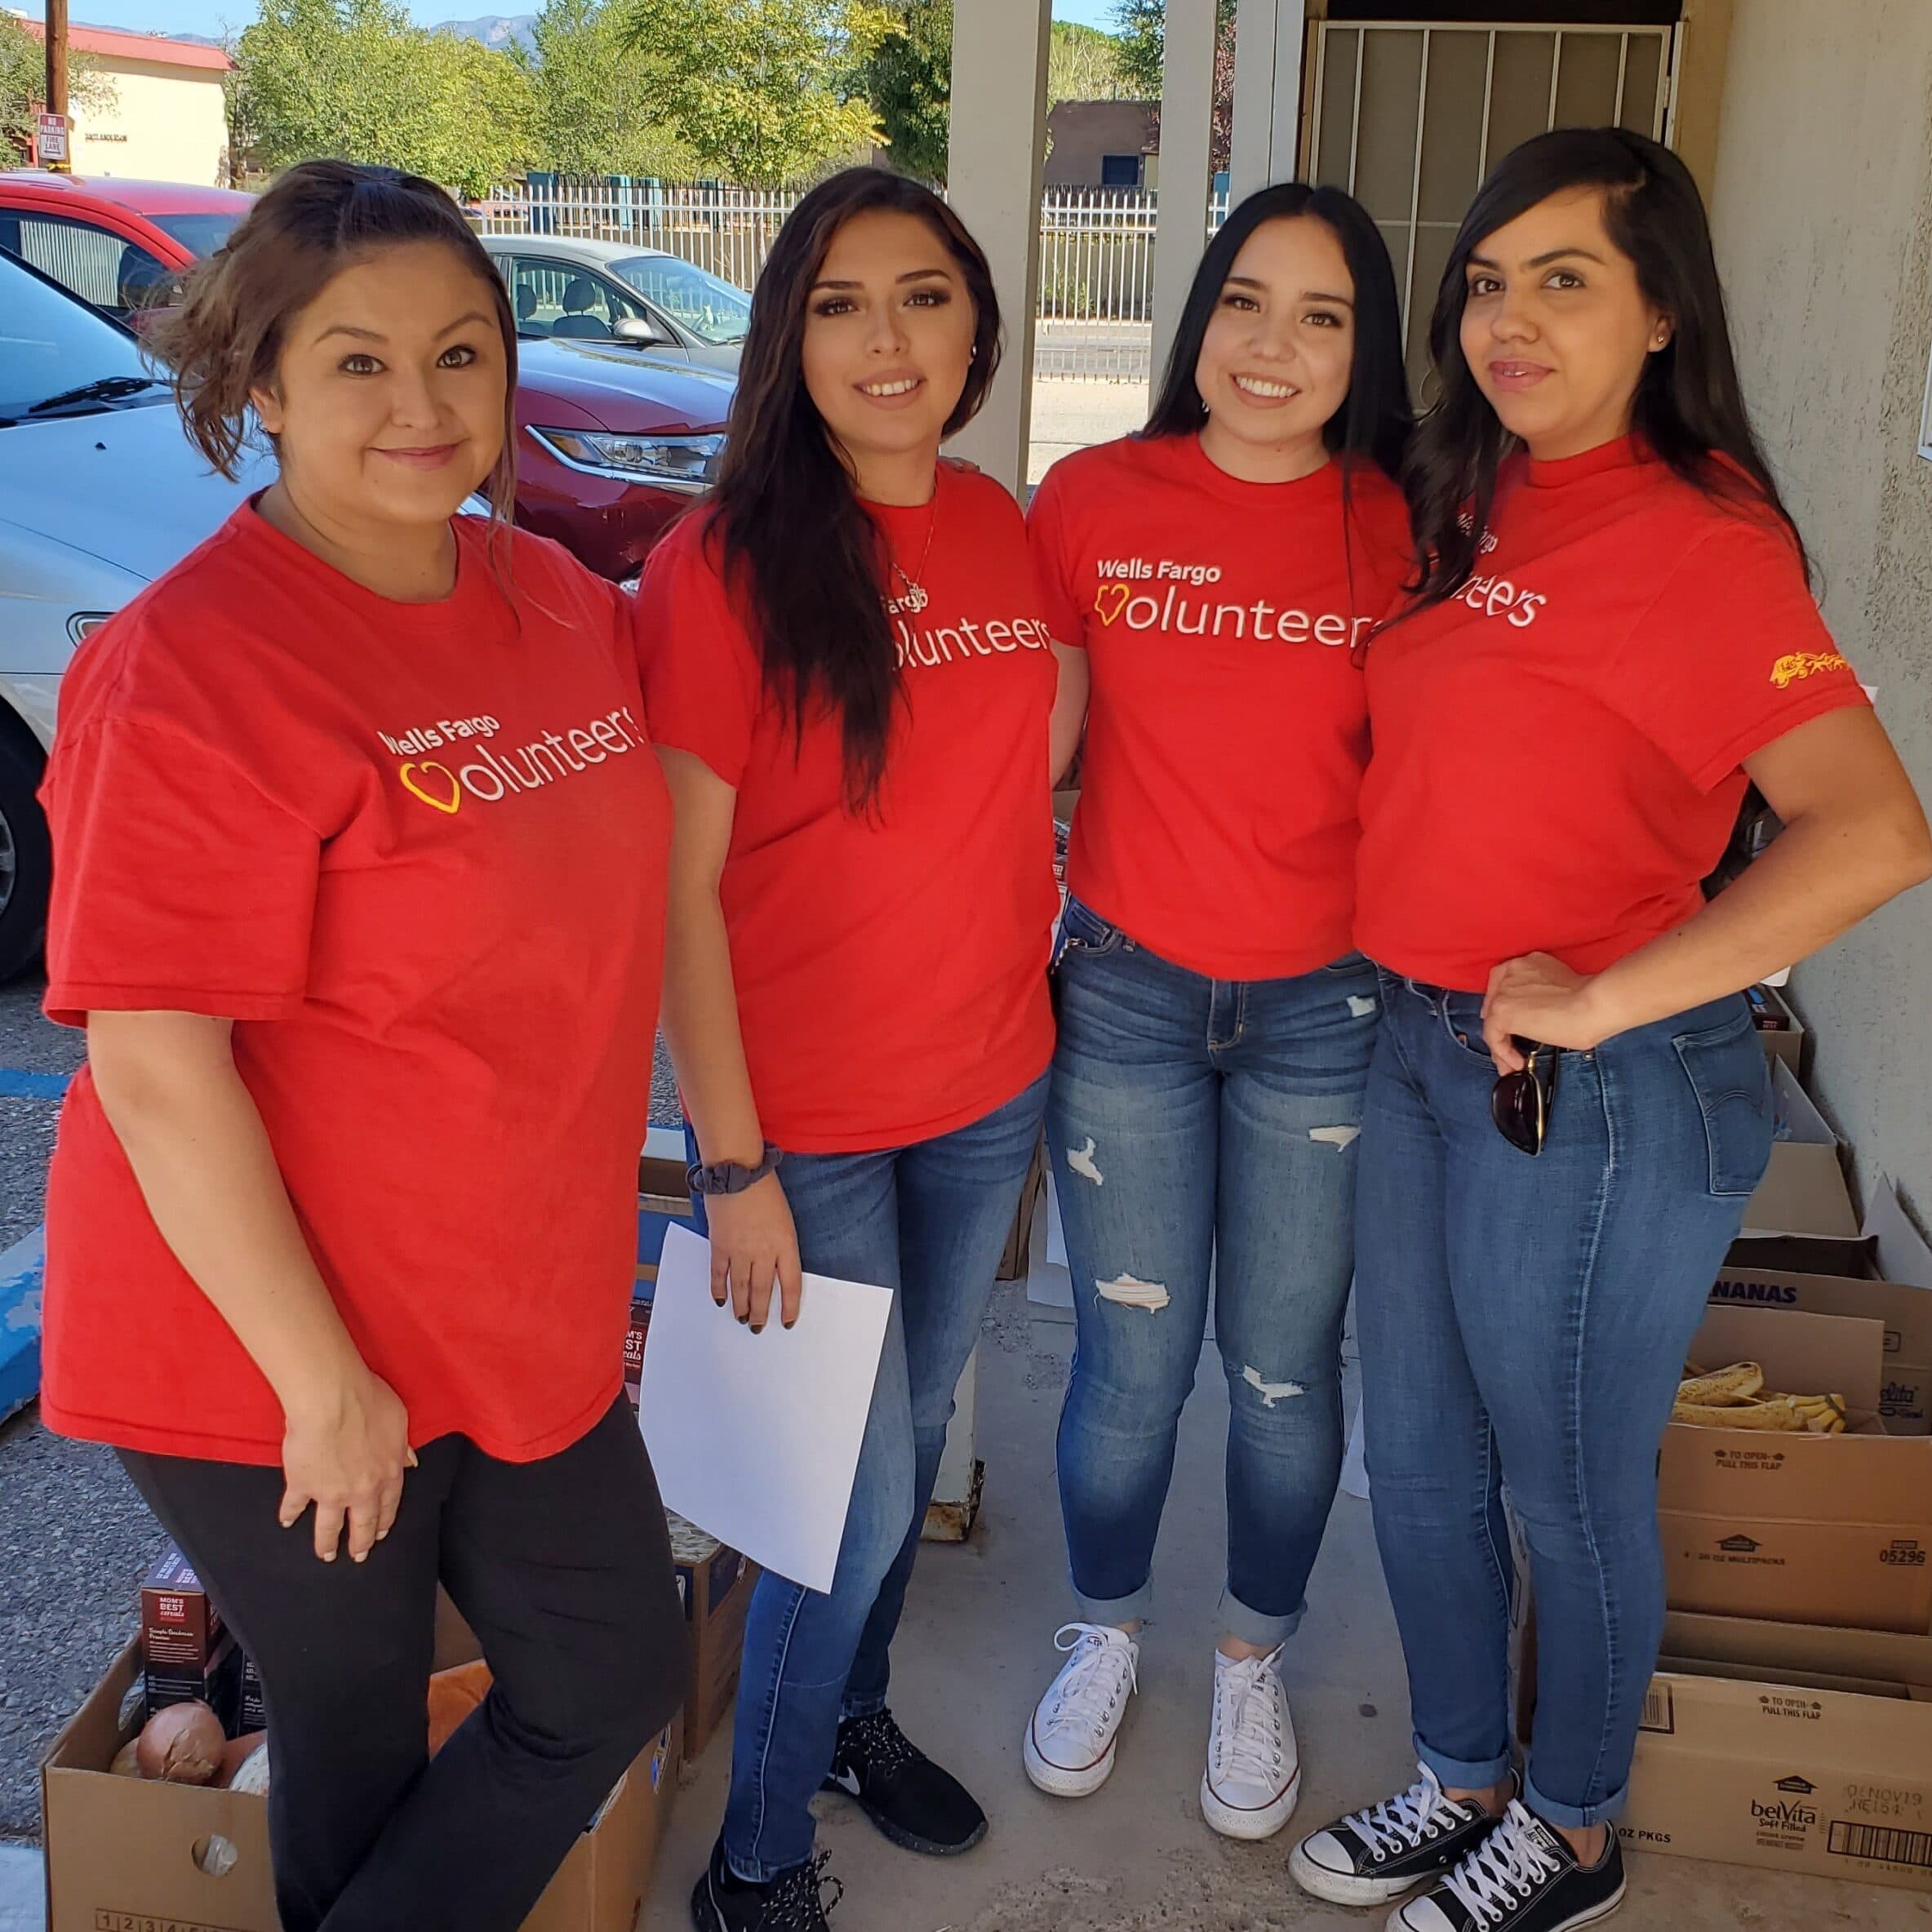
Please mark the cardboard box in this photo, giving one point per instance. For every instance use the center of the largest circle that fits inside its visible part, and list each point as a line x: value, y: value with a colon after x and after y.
x: 714, y: 1584
x: 1789, y: 1748
x: 1783, y: 1034
x: 218, y: 1687
x: 255, y: 1709
x: 634, y: 1338
x: 1012, y: 1260
x: 123, y: 1854
x: 1803, y: 1191
x: 1831, y: 1530
x: 181, y: 1630
x: 1905, y: 1384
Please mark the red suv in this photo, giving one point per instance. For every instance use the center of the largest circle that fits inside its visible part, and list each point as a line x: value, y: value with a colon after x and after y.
x: 613, y: 445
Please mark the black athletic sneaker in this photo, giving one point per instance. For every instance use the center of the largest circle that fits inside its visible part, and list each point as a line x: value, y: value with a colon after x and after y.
x: 1523, y: 1877
x: 1371, y: 1857
x: 901, y: 1790
x: 795, y: 1901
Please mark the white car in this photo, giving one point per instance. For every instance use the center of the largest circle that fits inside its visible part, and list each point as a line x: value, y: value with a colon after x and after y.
x: 100, y: 492
x: 613, y: 291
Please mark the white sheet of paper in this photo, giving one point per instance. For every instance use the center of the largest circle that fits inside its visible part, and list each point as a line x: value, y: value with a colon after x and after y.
x: 756, y: 1438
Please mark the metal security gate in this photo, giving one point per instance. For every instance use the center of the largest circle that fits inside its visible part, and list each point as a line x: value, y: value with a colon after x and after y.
x: 1409, y: 118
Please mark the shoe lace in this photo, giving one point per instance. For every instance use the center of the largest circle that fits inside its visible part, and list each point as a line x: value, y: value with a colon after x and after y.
x: 1100, y: 1669
x: 878, y: 1740
x: 1401, y: 1822
x: 797, y: 1901
x: 1504, y: 1869
x: 1248, y: 1706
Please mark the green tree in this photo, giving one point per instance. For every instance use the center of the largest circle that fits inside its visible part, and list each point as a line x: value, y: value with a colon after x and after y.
x: 908, y: 78
x: 762, y: 89
x: 354, y: 79
x: 24, y: 79
x: 1084, y: 64
x: 596, y: 97
x: 1141, y: 27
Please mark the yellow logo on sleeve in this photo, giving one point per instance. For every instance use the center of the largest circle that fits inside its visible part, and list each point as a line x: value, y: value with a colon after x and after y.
x: 1798, y: 664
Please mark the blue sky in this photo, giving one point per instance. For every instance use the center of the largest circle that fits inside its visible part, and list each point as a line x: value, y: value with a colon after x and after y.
x: 209, y: 16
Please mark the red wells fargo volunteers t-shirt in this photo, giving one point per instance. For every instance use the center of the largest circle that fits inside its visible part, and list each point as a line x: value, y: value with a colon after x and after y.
x: 1559, y: 748
x: 1228, y: 728
x: 890, y: 970
x: 417, y: 853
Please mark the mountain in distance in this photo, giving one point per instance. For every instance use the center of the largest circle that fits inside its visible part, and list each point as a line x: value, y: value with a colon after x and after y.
x: 494, y: 30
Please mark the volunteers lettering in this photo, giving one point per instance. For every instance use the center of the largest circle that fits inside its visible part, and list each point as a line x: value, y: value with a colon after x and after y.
x: 1264, y: 622
x: 494, y: 775
x: 967, y: 637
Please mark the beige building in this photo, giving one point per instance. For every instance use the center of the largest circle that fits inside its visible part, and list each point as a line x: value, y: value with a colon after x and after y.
x: 1809, y: 125
x: 164, y: 119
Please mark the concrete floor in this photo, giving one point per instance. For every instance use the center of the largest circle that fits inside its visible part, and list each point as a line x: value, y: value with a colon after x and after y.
x: 976, y: 1649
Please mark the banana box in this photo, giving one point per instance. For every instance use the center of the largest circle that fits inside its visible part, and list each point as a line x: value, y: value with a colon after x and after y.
x: 1788, y: 1747
x: 1833, y: 1530
x: 1905, y: 1383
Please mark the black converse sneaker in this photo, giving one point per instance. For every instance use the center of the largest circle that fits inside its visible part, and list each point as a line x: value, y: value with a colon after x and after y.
x: 1523, y: 1877
x: 901, y: 1790
x: 1373, y: 1856
x: 793, y: 1901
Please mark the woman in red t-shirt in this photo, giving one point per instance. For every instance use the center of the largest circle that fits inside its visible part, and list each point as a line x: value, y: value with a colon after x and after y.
x: 1569, y: 1106
x: 1217, y: 572
x: 340, y: 1219
x: 849, y: 679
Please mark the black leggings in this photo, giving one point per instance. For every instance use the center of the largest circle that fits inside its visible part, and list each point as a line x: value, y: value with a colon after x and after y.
x: 562, y: 1568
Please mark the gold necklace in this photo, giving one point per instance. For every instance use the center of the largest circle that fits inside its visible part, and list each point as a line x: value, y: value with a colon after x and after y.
x: 915, y: 597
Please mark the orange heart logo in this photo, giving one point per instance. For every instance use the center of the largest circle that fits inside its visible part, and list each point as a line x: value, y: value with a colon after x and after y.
x: 1116, y: 595
x: 433, y: 797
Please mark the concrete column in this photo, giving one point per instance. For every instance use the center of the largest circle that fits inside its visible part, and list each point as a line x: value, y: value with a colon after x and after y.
x: 995, y: 156
x: 1187, y: 130
x: 1268, y: 39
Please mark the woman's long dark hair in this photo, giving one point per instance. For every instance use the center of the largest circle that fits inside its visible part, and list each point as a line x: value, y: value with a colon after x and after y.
x: 1688, y: 407
x: 1374, y: 420
x: 803, y: 562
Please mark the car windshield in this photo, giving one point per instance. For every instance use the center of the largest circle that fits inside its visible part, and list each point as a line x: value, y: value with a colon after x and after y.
x: 714, y: 311
x: 55, y: 349
x: 200, y: 234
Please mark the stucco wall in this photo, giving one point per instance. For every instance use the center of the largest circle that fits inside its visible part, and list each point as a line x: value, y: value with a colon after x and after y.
x: 1822, y: 211
x: 165, y: 124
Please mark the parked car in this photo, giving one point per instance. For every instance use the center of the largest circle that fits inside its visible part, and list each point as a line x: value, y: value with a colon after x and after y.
x: 613, y: 444
x: 117, y: 244
x: 99, y: 493
x: 612, y: 292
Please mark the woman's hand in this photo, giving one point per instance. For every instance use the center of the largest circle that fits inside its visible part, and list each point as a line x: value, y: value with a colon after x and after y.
x: 1537, y: 998
x: 753, y: 1248
x: 344, y: 1449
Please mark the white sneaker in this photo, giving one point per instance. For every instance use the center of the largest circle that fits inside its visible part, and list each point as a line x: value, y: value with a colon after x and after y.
x: 1254, y: 1772
x: 1070, y: 1743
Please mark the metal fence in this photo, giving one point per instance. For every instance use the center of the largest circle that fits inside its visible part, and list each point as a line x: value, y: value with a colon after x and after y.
x: 1096, y: 251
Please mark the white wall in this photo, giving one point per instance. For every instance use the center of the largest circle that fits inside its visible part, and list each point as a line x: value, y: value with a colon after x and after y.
x: 164, y: 124
x: 1822, y: 211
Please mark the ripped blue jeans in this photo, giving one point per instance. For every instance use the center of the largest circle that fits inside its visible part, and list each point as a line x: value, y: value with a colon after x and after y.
x: 1196, y: 1123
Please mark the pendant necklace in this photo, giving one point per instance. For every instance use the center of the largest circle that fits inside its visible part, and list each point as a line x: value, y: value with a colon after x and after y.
x: 914, y: 596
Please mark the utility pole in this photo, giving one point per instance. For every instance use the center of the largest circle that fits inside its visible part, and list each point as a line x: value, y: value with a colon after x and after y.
x: 56, y: 102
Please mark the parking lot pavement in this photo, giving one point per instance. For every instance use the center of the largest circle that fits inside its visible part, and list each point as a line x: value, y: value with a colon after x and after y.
x: 75, y: 1539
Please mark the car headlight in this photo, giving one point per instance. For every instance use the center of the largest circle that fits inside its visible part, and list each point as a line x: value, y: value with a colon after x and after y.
x: 84, y: 624
x: 687, y: 462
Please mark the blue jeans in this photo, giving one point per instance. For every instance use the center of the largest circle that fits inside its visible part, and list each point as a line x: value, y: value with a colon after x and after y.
x: 1524, y: 1322
x: 928, y: 1221
x: 1196, y: 1121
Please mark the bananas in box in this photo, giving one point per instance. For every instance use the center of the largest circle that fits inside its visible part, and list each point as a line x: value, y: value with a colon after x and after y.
x: 1736, y: 1398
